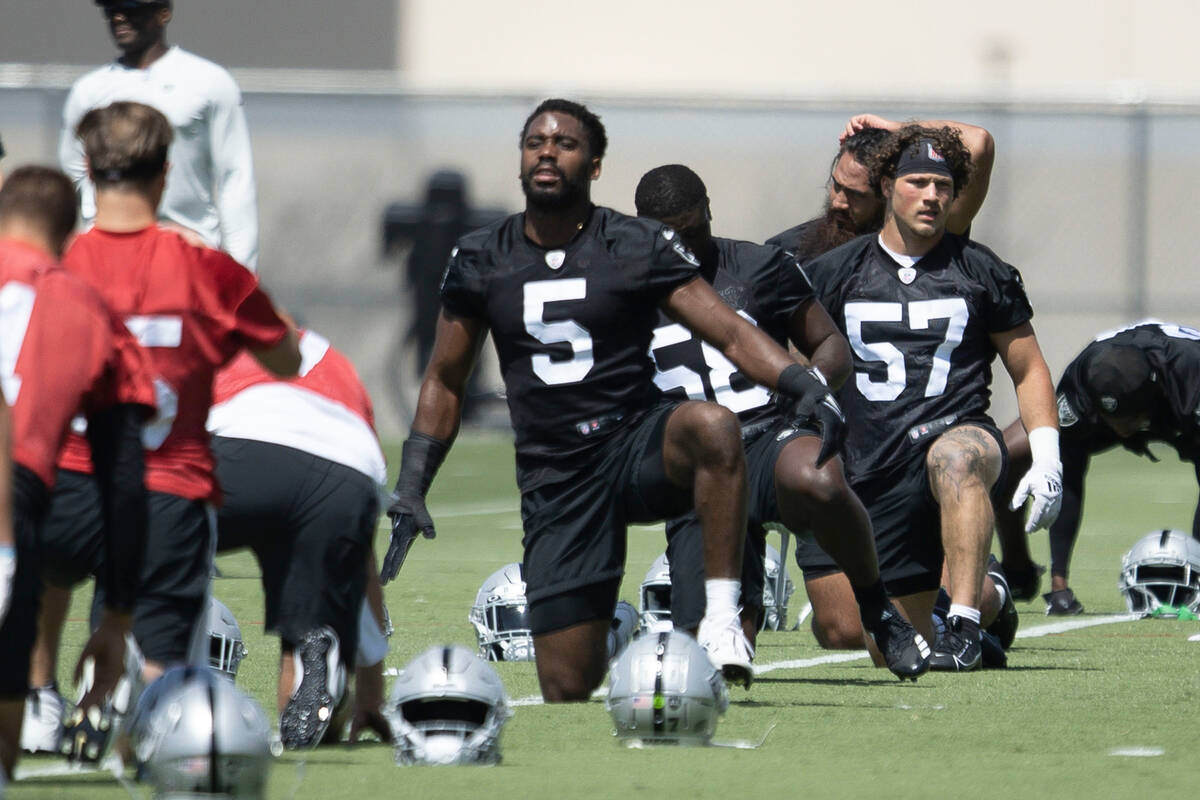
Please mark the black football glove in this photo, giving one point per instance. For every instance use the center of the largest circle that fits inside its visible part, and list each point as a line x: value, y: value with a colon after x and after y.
x: 419, y: 462
x: 409, y: 517
x: 807, y: 400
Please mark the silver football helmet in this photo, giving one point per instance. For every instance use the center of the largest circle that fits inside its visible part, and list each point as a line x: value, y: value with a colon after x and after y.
x: 501, y: 617
x: 225, y: 646
x: 654, y: 602
x: 656, y: 594
x: 1160, y: 575
x: 195, y: 734
x: 664, y: 690
x: 447, y: 707
x: 777, y: 590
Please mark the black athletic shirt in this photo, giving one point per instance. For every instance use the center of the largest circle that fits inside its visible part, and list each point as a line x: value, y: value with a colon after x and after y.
x: 763, y: 284
x: 1174, y: 353
x: 571, y: 327
x: 920, y: 338
x: 799, y: 239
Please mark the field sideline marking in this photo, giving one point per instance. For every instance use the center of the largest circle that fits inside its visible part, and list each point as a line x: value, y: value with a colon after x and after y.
x: 854, y: 655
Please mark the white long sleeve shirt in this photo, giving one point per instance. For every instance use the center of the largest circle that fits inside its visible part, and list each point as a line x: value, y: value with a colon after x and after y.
x: 210, y: 180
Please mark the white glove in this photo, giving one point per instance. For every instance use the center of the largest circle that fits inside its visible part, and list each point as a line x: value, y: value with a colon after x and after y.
x: 8, y: 568
x: 1043, y: 481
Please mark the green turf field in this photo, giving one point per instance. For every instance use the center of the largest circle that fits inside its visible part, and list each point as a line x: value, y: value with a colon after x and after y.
x: 1054, y: 724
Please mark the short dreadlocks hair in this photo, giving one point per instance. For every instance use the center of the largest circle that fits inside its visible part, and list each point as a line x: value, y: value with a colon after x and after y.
x: 668, y: 191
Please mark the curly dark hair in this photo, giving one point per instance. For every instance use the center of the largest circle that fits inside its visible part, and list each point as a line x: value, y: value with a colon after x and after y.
x: 597, y: 139
x: 860, y: 145
x: 881, y: 162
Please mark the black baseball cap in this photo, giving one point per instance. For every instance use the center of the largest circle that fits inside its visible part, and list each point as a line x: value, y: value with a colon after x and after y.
x: 1120, y: 380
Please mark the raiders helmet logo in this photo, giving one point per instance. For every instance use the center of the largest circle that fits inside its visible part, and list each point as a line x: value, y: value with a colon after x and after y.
x: 1108, y: 403
x: 685, y: 254
x: 1066, y: 415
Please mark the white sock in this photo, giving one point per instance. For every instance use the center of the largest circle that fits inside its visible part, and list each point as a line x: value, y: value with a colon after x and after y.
x: 966, y: 612
x: 1002, y: 594
x: 722, y: 595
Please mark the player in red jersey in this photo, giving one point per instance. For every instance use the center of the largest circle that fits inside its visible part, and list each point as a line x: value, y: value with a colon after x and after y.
x: 301, y: 467
x: 62, y: 352
x: 193, y: 309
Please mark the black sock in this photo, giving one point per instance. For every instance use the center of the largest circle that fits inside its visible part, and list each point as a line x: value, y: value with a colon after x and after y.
x: 872, y: 600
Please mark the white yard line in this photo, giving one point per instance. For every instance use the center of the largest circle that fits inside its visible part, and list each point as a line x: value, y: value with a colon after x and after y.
x: 1072, y: 625
x: 855, y: 655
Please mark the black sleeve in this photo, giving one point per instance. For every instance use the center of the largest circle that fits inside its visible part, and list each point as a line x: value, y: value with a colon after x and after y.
x: 114, y: 434
x: 462, y: 289
x: 1196, y: 516
x: 1066, y: 528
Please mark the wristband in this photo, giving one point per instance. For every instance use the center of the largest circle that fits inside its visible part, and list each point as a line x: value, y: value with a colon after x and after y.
x: 1043, y: 445
x: 419, y: 461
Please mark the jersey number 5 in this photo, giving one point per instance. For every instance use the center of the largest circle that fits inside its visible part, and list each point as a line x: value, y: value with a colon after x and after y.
x: 537, y: 294
x: 920, y: 312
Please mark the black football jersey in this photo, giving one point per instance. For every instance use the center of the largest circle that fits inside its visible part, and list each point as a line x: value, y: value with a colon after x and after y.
x: 571, y: 326
x: 799, y: 239
x: 919, y: 335
x: 764, y: 285
x: 1174, y: 353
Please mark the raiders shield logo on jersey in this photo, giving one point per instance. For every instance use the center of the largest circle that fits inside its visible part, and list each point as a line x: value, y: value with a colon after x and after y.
x: 555, y: 258
x: 906, y: 275
x: 1066, y: 415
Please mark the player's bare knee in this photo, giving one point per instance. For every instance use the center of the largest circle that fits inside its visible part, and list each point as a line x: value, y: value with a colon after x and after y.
x: 956, y: 465
x: 714, y: 435
x: 838, y: 633
x: 814, y: 487
x: 568, y: 686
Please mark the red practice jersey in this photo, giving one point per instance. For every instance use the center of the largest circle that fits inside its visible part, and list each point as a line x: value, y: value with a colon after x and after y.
x: 193, y: 308
x: 62, y: 352
x: 325, y: 410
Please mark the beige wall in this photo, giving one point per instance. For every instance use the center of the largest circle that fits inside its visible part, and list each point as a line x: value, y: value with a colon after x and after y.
x: 798, y: 49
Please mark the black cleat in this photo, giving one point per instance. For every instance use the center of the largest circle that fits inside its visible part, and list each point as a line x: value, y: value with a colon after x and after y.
x: 958, y: 649
x: 1062, y: 603
x: 320, y: 683
x: 1024, y: 581
x: 1004, y: 627
x: 905, y: 651
x: 992, y: 654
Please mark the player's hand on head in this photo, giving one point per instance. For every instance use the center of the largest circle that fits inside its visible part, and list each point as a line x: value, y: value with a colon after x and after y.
x: 860, y: 121
x: 1043, y: 484
x: 409, y: 517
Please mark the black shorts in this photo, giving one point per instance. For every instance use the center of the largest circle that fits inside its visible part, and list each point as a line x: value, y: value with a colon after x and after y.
x: 310, y: 523
x: 176, y: 565
x: 685, y: 542
x: 20, y: 624
x: 575, y: 529
x: 906, y: 522
x: 73, y: 536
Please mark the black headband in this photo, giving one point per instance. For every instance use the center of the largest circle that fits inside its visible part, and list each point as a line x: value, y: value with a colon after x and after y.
x: 924, y: 158
x: 138, y: 172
